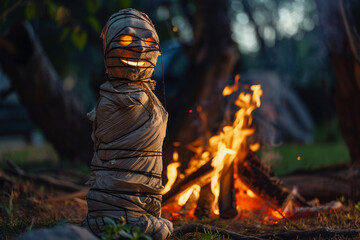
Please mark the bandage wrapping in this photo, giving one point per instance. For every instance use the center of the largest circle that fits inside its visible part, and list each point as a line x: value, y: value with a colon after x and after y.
x: 129, y: 125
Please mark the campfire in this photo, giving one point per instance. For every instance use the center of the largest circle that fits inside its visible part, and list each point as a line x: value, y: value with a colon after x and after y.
x: 225, y: 178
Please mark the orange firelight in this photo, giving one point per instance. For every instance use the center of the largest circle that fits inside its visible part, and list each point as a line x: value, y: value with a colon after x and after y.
x: 229, y: 147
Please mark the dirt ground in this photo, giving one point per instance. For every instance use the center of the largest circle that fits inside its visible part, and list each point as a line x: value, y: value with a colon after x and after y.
x: 28, y: 205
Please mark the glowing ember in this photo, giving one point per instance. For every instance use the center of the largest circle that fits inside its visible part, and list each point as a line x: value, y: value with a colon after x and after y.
x: 254, y: 147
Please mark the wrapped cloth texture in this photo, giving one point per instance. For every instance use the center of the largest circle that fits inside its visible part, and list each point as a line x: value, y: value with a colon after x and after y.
x: 129, y: 125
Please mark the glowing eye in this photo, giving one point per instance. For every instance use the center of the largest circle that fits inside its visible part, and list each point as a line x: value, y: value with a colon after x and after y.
x: 125, y: 40
x: 150, y: 42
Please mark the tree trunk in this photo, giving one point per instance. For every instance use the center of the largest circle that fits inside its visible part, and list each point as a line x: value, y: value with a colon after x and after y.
x: 60, y: 116
x: 212, y: 58
x: 343, y: 47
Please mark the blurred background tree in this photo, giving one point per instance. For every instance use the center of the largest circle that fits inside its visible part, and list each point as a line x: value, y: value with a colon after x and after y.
x: 280, y: 37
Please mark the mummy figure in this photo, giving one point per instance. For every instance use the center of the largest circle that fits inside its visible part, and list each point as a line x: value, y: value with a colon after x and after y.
x: 129, y: 125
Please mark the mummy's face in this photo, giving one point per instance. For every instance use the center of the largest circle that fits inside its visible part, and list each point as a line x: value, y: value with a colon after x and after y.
x: 131, y: 46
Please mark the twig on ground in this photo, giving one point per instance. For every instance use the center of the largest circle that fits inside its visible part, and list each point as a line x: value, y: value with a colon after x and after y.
x: 190, y: 228
x: 286, y: 219
x: 79, y: 194
x: 60, y: 184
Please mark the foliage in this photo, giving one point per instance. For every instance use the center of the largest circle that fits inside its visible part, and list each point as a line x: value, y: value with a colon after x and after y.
x: 208, y: 235
x: 357, y: 206
x: 115, y: 231
x: 9, y: 207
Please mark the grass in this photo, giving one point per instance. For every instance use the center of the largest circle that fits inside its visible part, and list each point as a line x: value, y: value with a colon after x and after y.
x: 10, y: 228
x: 29, y: 156
x: 284, y: 159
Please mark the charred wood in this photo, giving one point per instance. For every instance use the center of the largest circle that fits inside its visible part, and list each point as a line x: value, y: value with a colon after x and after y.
x: 204, y: 204
x: 200, y: 177
x: 261, y: 180
x: 227, y: 199
x: 188, y: 205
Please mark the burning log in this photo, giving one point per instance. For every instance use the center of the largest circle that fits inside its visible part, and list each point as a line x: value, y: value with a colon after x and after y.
x: 227, y: 198
x: 260, y: 179
x: 199, y: 177
x: 204, y: 205
x: 227, y: 160
x: 189, y: 203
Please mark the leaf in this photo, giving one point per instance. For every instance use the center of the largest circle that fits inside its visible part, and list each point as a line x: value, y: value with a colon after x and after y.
x: 31, y: 11
x: 357, y: 206
x: 4, y: 5
x: 65, y: 32
x: 62, y: 15
x: 110, y: 221
x: 94, y: 23
x: 79, y: 38
x: 5, y: 208
x: 93, y: 5
x: 147, y: 237
x: 125, y: 3
x: 52, y: 8
x: 125, y: 234
x: 127, y: 228
x: 62, y: 222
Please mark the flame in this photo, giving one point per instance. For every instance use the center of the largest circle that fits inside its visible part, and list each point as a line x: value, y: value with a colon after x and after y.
x: 171, y: 171
x: 250, y: 193
x: 232, y: 139
x: 252, y: 205
x: 229, y: 147
x: 230, y: 89
x: 254, y: 147
x: 171, y: 175
x: 175, y: 155
x: 194, y: 189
